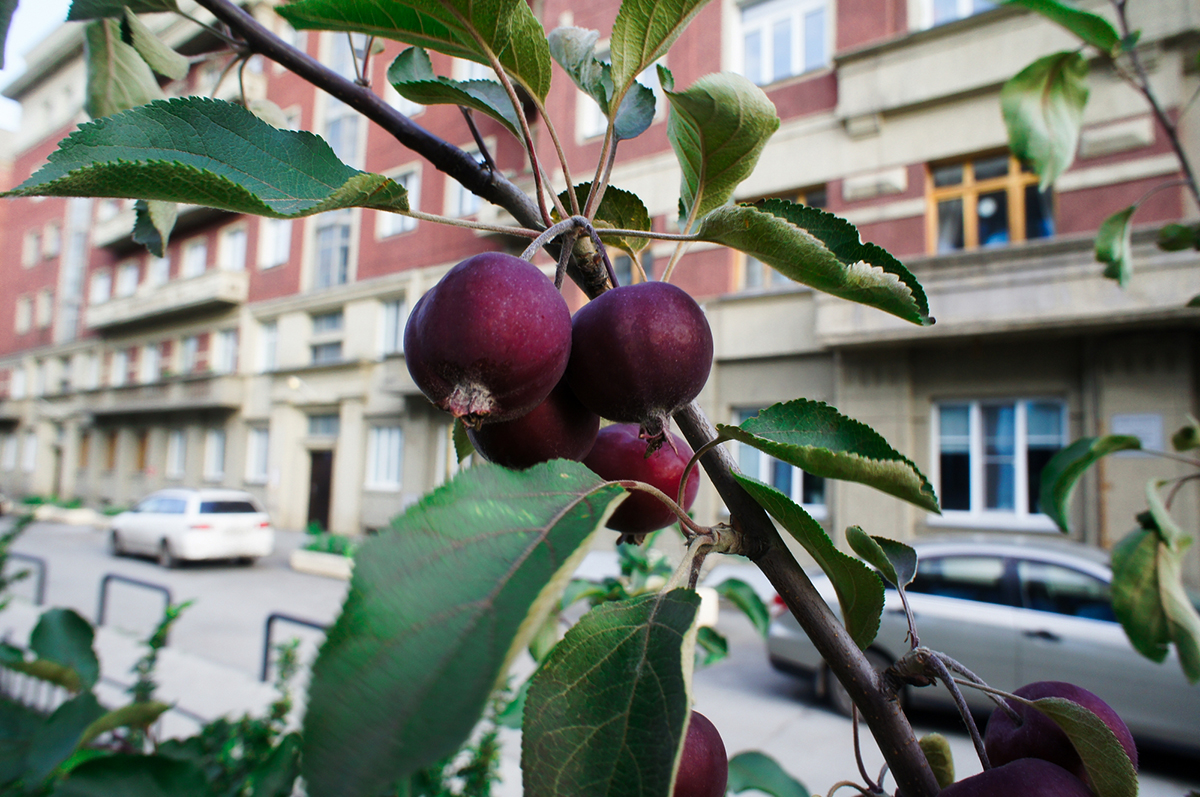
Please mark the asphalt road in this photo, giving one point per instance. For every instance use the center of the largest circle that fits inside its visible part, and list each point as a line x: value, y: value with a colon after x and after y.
x: 754, y: 706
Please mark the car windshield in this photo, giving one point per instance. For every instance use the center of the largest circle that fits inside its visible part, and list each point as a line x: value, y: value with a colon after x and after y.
x: 226, y: 507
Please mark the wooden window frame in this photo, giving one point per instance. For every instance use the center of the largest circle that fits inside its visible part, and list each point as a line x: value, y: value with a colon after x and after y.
x: 1014, y: 184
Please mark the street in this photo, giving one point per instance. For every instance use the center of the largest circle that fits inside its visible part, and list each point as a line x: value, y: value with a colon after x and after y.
x: 754, y: 706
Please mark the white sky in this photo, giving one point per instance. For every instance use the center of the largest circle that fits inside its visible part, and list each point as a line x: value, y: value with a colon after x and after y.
x: 32, y: 22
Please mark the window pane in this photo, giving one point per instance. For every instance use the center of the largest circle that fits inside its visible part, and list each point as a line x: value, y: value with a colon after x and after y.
x: 955, y: 456
x: 944, y: 11
x: 752, y: 49
x: 623, y: 269
x: 814, y: 39
x: 950, y: 225
x: 781, y: 476
x: 1039, y: 216
x: 812, y: 489
x: 999, y: 428
x: 992, y: 210
x: 991, y: 168
x: 948, y: 175
x: 753, y: 275
x: 781, y: 49
x: 976, y: 578
x: 1045, y: 436
x: 1051, y: 588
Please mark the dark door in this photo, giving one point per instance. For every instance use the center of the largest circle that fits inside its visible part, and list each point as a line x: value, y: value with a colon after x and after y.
x: 319, y: 484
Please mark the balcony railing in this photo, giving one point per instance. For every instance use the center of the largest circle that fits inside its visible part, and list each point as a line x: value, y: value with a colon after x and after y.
x: 179, y: 394
x: 210, y: 290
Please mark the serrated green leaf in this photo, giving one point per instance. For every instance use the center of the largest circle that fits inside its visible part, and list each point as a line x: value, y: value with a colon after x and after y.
x: 7, y: 7
x: 1062, y: 472
x: 718, y: 128
x: 1114, y: 243
x: 757, y: 771
x: 208, y: 152
x: 822, y: 251
x: 131, y: 715
x: 276, y: 776
x: 463, y: 447
x: 711, y: 646
x: 438, y: 607
x: 117, y: 77
x: 98, y: 9
x: 895, y: 560
x: 545, y: 639
x: 940, y: 757
x: 818, y: 439
x: 461, y: 28
x: 643, y: 32
x: 575, y: 51
x: 1043, y: 111
x: 859, y: 589
x: 131, y: 775
x: 161, y: 58
x: 1188, y: 437
x: 1136, y: 599
x: 412, y: 75
x: 607, y: 710
x: 743, y: 596
x: 619, y: 209
x: 1183, y: 621
x: 154, y: 221
x: 1110, y: 772
x: 55, y: 740
x: 1095, y: 30
x: 64, y: 637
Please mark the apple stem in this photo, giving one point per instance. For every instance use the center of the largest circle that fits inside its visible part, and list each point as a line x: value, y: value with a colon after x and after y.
x: 852, y: 785
x: 858, y: 759
x: 564, y: 257
x: 690, y: 525
x: 934, y: 661
x: 975, y: 680
x: 549, y: 234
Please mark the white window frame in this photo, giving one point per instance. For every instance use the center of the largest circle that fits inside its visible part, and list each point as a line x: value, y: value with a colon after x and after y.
x: 401, y: 104
x: 23, y: 317
x: 118, y: 373
x: 328, y: 270
x: 31, y: 248
x: 963, y: 9
x: 743, y: 454
x: 214, y: 455
x: 385, y: 458
x: 387, y: 224
x: 979, y: 516
x: 127, y: 279
x: 258, y: 447
x: 268, y: 346
x: 158, y: 270
x: 764, y: 18
x: 394, y: 316
x: 8, y: 458
x: 176, y: 454
x: 189, y: 353
x: 225, y: 350
x: 231, y: 248
x: 19, y: 385
x: 195, y: 258
x: 43, y: 308
x: 460, y: 202
x: 274, y: 242
x: 150, y: 363
x: 101, y: 287
x: 29, y: 452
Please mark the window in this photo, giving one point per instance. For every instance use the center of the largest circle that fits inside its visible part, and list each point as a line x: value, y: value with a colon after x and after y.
x: 118, y: 371
x: 225, y: 346
x: 461, y: 201
x: 389, y: 224
x: 323, y: 353
x: 44, y: 308
x: 150, y: 365
x: 590, y: 121
x: 18, y: 386
x: 214, y: 455
x: 333, y: 250
x: 29, y: 452
x: 988, y: 201
x: 176, y: 453
x: 31, y: 248
x: 1047, y: 587
x: 227, y: 508
x: 85, y: 450
x: 274, y: 242
x: 143, y: 450
x: 23, y: 317
x: 101, y: 288
x: 257, y: 445
x: 974, y: 578
x: 64, y: 375
x: 127, y: 279
x: 782, y: 38
x: 195, y: 258
x: 268, y: 346
x: 385, y: 452
x: 327, y: 322
x: 189, y: 354
x: 394, y: 317
x: 110, y: 450
x: 39, y: 378
x: 990, y: 456
x: 231, y: 249
x: 404, y: 106
x: 158, y: 271
x: 9, y: 454
x: 803, y: 488
x: 52, y: 240
x: 326, y: 425
x: 341, y: 121
x: 93, y: 370
x: 939, y: 12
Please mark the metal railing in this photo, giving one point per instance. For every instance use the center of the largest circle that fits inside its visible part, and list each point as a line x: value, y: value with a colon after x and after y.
x: 269, y: 630
x: 102, y: 605
x: 39, y: 588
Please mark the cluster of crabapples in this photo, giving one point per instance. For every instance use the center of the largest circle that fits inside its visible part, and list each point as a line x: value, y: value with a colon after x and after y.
x: 494, y: 344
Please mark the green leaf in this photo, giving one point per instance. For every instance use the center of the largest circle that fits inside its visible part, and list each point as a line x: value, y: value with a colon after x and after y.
x: 59, y: 735
x: 276, y: 776
x: 895, y: 560
x: 131, y: 715
x: 52, y: 672
x: 1110, y: 772
x: 62, y: 636
x: 463, y: 447
x: 643, y: 32
x: 269, y: 112
x: 1095, y: 30
x: 131, y: 775
x: 1113, y: 245
x: 1188, y: 437
x: 619, y: 209
x: 99, y: 9
x: 822, y: 251
x: 438, y: 607
x: 1176, y: 237
x: 711, y: 646
x: 819, y: 440
x: 117, y: 77
x: 512, y: 715
x: 207, y: 152
x: 575, y: 51
x: 157, y: 55
x: 1062, y: 472
x: 507, y: 29
x: 581, y: 589
x: 607, y: 711
x: 743, y: 596
x: 1168, y: 530
x: 940, y: 757
x: 1183, y: 621
x: 154, y: 221
x: 757, y: 771
x: 7, y: 7
x: 858, y: 587
x: 411, y: 74
x: 1043, y: 110
x: 718, y: 128
x: 17, y: 727
x: 545, y: 639
x: 1136, y: 599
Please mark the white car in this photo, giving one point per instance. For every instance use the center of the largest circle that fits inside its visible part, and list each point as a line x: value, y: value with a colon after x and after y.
x: 188, y: 524
x: 1015, y: 611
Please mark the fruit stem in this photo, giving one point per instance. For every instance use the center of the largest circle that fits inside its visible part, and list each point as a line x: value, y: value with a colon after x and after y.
x: 564, y: 257
x: 549, y: 234
x: 975, y: 680
x: 934, y: 662
x: 691, y: 525
x: 468, y: 224
x: 872, y: 786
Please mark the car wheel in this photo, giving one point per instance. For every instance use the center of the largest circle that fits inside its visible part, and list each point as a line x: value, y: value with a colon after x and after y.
x: 839, y: 698
x: 115, y: 547
x: 166, y: 557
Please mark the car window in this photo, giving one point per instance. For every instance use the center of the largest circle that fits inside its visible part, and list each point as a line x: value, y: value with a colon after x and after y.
x: 147, y: 505
x: 974, y: 578
x: 172, y: 506
x: 226, y: 507
x: 1048, y: 587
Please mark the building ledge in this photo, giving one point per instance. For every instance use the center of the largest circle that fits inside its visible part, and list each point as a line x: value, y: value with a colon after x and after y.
x: 180, y: 394
x: 210, y: 290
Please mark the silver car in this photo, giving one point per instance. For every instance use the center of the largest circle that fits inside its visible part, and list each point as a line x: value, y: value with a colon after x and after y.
x: 1014, y: 611
x: 182, y: 524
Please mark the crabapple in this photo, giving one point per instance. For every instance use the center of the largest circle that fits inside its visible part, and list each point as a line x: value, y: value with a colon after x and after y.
x: 620, y: 454
x: 1028, y: 777
x: 490, y: 340
x: 703, y: 766
x: 559, y: 427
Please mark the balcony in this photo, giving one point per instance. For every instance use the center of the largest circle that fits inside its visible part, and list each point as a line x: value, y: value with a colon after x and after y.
x: 182, y: 394
x: 211, y: 290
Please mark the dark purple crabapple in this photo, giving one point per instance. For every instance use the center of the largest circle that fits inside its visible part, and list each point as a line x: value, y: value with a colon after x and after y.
x: 704, y: 765
x: 490, y: 340
x: 1025, y: 777
x: 620, y: 454
x: 639, y: 353
x: 559, y: 427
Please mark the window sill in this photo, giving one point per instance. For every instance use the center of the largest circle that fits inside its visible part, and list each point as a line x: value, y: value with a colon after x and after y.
x: 382, y: 488
x: 998, y: 521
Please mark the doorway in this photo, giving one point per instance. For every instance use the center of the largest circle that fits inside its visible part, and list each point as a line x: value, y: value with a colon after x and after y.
x: 320, y: 483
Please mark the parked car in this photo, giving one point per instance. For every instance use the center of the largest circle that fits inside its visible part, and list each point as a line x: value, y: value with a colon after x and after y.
x: 183, y: 524
x: 1014, y: 611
